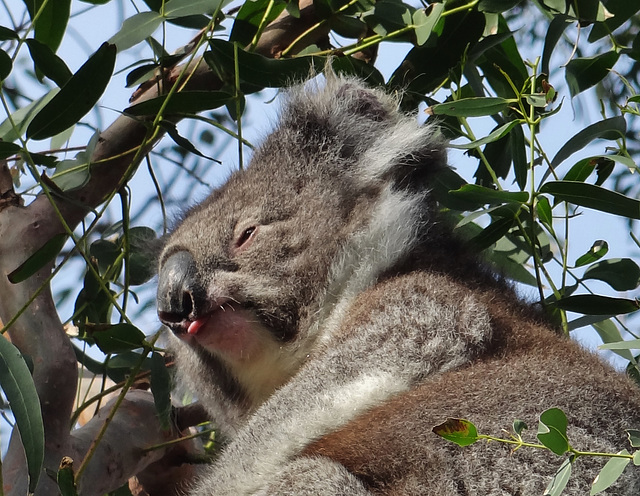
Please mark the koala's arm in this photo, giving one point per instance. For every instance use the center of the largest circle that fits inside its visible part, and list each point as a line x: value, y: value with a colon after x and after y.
x: 396, y: 333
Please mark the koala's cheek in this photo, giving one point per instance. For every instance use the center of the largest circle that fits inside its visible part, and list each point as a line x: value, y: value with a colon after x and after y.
x: 232, y: 334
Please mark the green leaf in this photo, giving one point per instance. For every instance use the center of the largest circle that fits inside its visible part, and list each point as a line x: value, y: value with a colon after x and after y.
x: 119, y: 338
x: 519, y: 156
x: 497, y: 6
x: 48, y: 62
x: 609, y: 129
x: 622, y: 274
x: 8, y: 149
x: 610, y: 473
x: 592, y: 196
x: 583, y: 73
x: 23, y: 116
x: 136, y: 29
x: 543, y: 209
x: 482, y: 195
x: 48, y: 252
x: 6, y: 65
x: 18, y: 387
x: 583, y: 168
x: 634, y: 437
x: 8, y: 34
x: 185, y: 102
x: 631, y: 344
x: 66, y: 478
x: 51, y: 22
x: 495, y: 135
x: 471, y: 107
x: 598, y: 250
x: 492, y: 233
x: 552, y: 430
x: 555, y: 30
x: 259, y: 70
x: 182, y: 8
x: 77, y: 97
x: 161, y: 388
x: 597, y: 305
x: 622, y: 11
x: 425, y: 22
x: 459, y: 431
x: 248, y: 20
x: 519, y: 426
x: 609, y: 333
x: 636, y: 458
x: 560, y: 479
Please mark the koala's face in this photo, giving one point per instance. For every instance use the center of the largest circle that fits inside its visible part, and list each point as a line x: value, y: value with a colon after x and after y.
x: 245, y: 275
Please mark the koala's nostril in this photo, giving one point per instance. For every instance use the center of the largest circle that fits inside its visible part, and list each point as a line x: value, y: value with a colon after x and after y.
x: 180, y: 293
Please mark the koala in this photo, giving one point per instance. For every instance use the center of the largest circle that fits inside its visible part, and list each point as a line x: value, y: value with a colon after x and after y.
x: 327, y: 318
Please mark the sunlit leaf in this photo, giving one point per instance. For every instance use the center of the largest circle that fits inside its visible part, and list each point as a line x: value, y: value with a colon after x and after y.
x: 610, y: 473
x: 459, y: 431
x: 495, y: 135
x: 136, y: 29
x: 598, y: 250
x: 559, y: 480
x: 425, y: 21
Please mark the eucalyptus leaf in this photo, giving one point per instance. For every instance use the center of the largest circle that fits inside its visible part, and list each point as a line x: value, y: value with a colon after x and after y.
x: 610, y: 473
x: 592, y: 196
x: 76, y: 98
x: 18, y: 387
x: 45, y: 254
x: 583, y: 73
x: 459, y: 431
x: 559, y: 480
x: 597, y: 305
x: 552, y: 430
x: 609, y: 129
x: 136, y: 29
x: 598, y: 250
x: 119, y: 338
x: 471, y: 107
x: 184, y: 102
x: 622, y: 274
x: 48, y: 62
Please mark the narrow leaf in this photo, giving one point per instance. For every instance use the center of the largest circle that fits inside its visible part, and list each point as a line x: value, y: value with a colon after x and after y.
x: 136, y: 29
x: 18, y: 387
x: 592, y: 196
x: 51, y: 23
x: 492, y: 233
x: 610, y: 473
x: 483, y: 195
x: 161, y: 389
x: 471, y: 107
x: 631, y: 344
x: 185, y: 102
x: 459, y: 431
x: 610, y: 334
x: 48, y: 62
x: 48, y: 252
x: 597, y: 305
x: 609, y: 129
x: 8, y: 149
x: 182, y: 8
x: 424, y: 22
x: 560, y: 479
x: 66, y: 478
x: 77, y: 97
x: 495, y: 135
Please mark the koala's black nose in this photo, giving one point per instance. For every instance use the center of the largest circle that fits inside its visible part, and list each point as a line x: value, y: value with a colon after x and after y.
x: 181, y: 296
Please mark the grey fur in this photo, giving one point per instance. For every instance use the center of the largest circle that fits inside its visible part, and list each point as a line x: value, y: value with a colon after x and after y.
x: 358, y: 323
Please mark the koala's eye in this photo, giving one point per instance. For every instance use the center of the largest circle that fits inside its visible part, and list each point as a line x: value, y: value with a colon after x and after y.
x: 245, y: 238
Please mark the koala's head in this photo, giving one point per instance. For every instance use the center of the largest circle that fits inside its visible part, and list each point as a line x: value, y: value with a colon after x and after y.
x: 333, y: 198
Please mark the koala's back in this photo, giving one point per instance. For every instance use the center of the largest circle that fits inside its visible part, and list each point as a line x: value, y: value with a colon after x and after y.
x: 394, y: 451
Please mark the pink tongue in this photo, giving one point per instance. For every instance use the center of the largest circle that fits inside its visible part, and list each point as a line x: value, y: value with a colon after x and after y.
x: 195, y: 326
